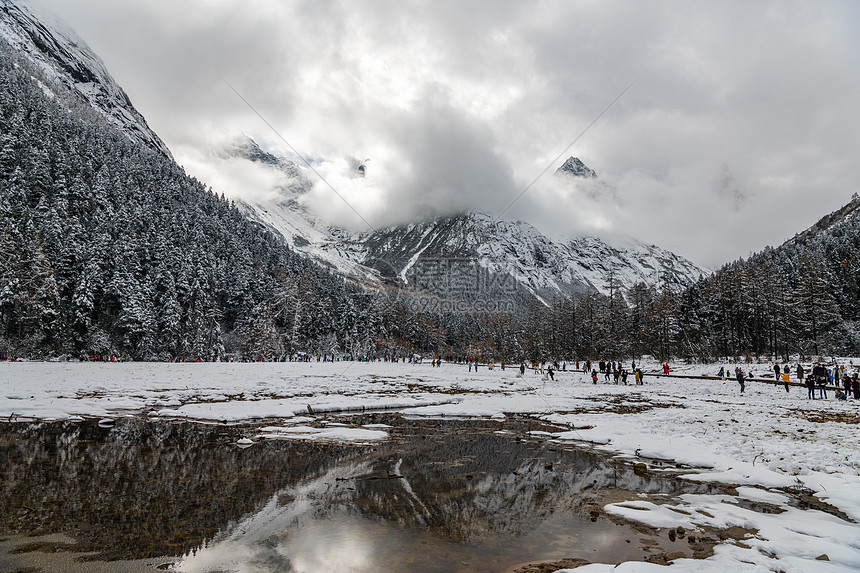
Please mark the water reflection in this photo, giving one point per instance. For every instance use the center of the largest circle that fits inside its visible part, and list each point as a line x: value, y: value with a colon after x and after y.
x: 438, y: 499
x: 458, y: 496
x: 141, y: 489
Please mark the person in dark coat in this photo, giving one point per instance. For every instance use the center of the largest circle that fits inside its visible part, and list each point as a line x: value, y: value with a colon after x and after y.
x: 740, y: 377
x: 819, y: 372
x: 776, y: 372
x: 820, y: 375
x: 810, y: 387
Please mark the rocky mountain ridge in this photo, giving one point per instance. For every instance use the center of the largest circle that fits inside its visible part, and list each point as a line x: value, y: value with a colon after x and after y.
x: 65, y: 58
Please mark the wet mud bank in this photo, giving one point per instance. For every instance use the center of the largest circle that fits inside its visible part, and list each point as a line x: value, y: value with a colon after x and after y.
x: 437, y: 495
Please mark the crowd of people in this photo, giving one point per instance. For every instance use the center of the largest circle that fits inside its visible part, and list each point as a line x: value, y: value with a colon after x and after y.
x: 612, y: 371
x: 820, y: 377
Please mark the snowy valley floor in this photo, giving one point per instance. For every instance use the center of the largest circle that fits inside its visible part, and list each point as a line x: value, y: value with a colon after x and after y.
x: 772, y: 447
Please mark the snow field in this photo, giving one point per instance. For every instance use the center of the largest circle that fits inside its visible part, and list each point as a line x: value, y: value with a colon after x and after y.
x: 766, y: 442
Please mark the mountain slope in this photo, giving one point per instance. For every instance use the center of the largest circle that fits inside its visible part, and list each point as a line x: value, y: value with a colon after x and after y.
x: 107, y: 247
x: 65, y: 58
x: 849, y: 214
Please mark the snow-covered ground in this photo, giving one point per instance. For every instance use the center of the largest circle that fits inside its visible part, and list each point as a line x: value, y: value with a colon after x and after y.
x: 768, y: 443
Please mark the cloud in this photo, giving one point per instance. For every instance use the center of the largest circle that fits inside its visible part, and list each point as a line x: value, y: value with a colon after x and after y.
x: 462, y: 105
x: 235, y: 177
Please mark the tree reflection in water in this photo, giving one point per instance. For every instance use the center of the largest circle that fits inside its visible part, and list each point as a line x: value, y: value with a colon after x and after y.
x: 433, y: 497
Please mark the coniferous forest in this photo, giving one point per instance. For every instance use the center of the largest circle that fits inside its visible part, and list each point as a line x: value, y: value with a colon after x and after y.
x: 109, y: 248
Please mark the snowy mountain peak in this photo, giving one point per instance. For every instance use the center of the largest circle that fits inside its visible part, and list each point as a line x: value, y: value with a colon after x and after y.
x: 573, y: 166
x: 576, y: 173
x: 66, y: 58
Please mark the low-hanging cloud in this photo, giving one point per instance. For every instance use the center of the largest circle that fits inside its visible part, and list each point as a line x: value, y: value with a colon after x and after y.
x: 461, y: 106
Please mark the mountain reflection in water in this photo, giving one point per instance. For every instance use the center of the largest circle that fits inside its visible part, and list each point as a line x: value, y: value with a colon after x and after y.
x: 434, y: 497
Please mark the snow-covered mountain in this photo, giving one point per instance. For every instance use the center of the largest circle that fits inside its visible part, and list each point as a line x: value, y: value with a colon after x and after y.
x: 66, y: 58
x: 457, y: 256
x: 463, y: 255
x: 544, y: 267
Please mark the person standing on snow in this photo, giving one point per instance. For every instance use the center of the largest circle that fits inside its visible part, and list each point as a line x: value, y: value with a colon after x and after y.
x: 740, y: 377
x: 776, y: 372
x: 819, y: 373
x: 665, y: 369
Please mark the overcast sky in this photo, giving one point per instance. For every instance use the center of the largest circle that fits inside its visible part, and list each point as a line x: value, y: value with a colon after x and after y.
x: 742, y: 125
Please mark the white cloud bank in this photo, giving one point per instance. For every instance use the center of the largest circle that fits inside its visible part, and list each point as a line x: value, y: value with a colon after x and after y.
x: 461, y: 105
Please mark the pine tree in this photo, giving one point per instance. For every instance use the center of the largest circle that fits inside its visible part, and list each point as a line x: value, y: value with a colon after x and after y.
x: 817, y: 312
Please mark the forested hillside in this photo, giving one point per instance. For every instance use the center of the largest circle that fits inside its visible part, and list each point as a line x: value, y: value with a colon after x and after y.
x: 107, y: 247
x: 802, y: 297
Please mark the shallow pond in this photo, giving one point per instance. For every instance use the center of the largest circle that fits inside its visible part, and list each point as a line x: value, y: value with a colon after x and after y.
x: 454, y: 495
